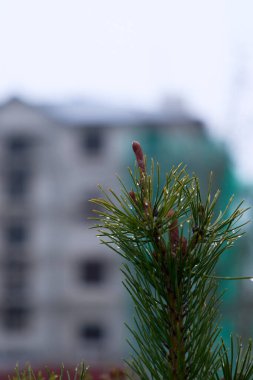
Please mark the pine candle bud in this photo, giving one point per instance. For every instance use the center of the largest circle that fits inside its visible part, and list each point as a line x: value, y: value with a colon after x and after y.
x: 175, y: 240
x: 133, y: 196
x: 173, y: 233
x: 117, y: 374
x: 155, y: 255
x: 139, y: 155
x: 183, y: 244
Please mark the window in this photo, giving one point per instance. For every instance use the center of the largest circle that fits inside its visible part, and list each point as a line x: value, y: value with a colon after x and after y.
x: 86, y: 207
x: 92, y: 332
x: 15, y: 317
x: 92, y: 271
x: 16, y: 234
x: 18, y: 144
x: 15, y: 275
x: 15, y: 281
x: 15, y: 263
x: 92, y: 140
x: 16, y: 182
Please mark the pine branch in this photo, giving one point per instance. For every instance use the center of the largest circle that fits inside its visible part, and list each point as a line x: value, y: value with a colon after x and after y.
x: 238, y: 363
x: 172, y: 239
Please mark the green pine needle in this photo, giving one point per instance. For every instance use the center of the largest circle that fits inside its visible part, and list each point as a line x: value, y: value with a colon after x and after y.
x: 171, y: 240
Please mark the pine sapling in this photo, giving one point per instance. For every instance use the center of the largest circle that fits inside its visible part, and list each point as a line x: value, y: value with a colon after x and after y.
x: 171, y: 240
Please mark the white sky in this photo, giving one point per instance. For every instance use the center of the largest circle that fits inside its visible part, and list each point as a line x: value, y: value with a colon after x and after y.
x: 136, y: 52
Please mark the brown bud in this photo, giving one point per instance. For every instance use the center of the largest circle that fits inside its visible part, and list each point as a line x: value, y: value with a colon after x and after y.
x: 173, y: 233
x: 175, y: 240
x: 183, y: 244
x: 170, y: 213
x: 139, y: 155
x: 155, y: 255
x: 133, y: 196
x: 117, y: 374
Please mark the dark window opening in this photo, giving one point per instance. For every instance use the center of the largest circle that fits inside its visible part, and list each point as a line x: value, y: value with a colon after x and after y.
x: 17, y: 182
x: 87, y: 207
x: 18, y: 144
x: 15, y: 317
x: 15, y: 282
x: 16, y: 234
x: 92, y: 332
x: 92, y: 271
x: 15, y: 276
x: 92, y: 140
x: 17, y: 264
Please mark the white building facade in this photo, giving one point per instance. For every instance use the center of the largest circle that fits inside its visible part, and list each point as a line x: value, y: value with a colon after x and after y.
x: 61, y: 298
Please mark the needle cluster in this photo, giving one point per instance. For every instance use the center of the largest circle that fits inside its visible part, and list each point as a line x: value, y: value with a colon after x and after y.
x: 171, y: 241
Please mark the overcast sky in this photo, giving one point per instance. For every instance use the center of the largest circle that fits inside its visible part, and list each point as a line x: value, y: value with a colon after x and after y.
x: 136, y: 52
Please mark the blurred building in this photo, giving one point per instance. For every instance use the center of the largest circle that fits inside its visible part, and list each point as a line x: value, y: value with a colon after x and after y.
x: 61, y: 298
x: 60, y: 295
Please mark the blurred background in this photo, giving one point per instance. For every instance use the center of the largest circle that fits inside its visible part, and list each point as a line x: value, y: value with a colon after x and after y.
x: 79, y: 80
